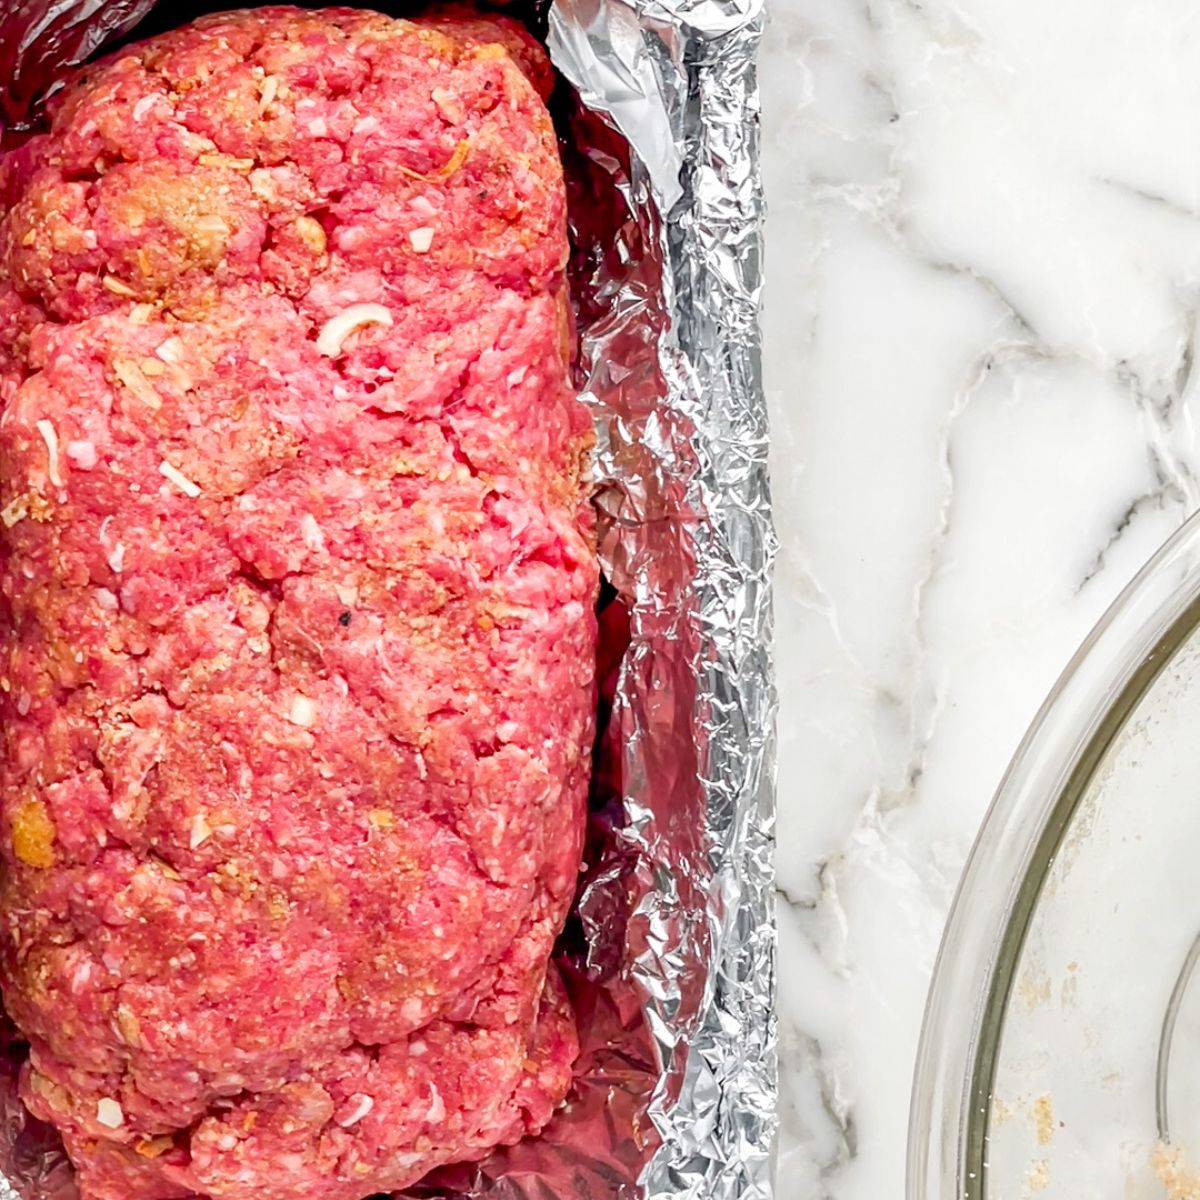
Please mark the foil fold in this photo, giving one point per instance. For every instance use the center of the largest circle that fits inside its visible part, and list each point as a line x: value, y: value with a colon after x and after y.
x: 670, y: 954
x: 689, y: 538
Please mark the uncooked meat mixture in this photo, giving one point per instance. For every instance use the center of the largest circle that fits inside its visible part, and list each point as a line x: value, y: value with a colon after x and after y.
x: 297, y: 583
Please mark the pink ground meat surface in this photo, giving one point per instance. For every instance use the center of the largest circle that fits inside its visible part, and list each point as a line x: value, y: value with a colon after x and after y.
x: 297, y: 584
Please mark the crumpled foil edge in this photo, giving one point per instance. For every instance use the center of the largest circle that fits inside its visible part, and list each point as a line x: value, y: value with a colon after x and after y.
x: 679, y: 82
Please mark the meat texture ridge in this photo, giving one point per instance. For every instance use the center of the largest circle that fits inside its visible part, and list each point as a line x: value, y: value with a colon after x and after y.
x: 298, y: 584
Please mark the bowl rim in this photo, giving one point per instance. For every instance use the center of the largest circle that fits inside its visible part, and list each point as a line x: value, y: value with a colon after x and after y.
x: 1016, y: 845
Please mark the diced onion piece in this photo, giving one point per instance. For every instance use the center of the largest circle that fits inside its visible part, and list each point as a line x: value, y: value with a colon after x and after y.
x: 312, y: 234
x: 421, y: 239
x: 116, y: 559
x: 82, y: 455
x: 143, y: 106
x: 437, y: 1106
x: 179, y: 479
x: 314, y: 539
x: 303, y: 712
x: 117, y: 286
x: 170, y: 351
x: 201, y: 831
x: 134, y: 378
x: 358, y: 316
x: 211, y: 233
x: 15, y: 511
x: 449, y: 105
x: 50, y: 437
x: 109, y: 1114
x: 268, y: 90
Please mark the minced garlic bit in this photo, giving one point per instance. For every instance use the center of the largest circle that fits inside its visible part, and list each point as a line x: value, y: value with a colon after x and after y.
x: 421, y: 239
x: 15, y: 511
x: 201, y: 831
x: 179, y: 479
x: 109, y: 1114
x: 358, y: 316
x: 303, y: 712
x: 50, y: 437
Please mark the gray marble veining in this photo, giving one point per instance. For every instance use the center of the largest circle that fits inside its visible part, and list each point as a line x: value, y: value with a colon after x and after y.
x: 983, y: 289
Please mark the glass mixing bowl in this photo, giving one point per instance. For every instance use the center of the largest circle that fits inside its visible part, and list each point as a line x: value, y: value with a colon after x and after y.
x: 1060, y: 1057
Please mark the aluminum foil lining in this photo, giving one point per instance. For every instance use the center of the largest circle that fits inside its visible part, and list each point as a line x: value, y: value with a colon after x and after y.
x: 670, y: 955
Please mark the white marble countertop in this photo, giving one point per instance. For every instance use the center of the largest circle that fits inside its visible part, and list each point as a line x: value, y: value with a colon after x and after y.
x: 983, y: 291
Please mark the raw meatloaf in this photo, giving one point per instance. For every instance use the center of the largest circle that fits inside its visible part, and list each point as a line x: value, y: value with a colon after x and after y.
x: 297, y: 666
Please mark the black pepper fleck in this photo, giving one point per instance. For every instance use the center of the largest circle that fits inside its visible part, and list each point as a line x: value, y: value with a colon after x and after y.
x: 344, y: 619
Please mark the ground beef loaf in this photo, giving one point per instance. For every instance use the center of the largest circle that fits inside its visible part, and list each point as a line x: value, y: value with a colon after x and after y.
x: 296, y: 674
